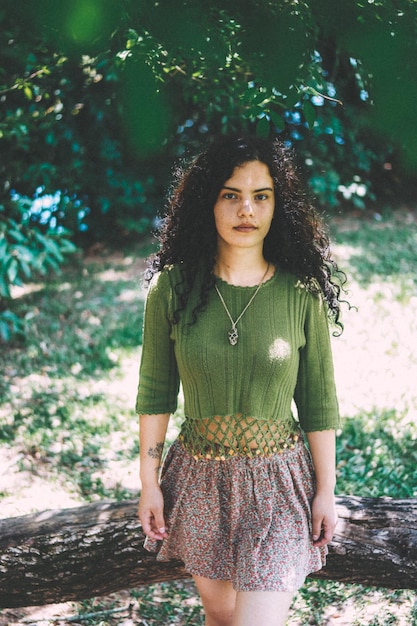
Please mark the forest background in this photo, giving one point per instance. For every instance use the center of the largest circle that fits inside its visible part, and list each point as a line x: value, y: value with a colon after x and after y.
x: 98, y: 100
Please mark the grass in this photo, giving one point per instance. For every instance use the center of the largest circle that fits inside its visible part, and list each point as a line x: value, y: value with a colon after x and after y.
x: 68, y: 432
x: 383, y: 247
x: 377, y: 456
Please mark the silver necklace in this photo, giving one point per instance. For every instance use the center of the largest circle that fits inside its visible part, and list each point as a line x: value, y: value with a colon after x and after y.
x: 232, y: 334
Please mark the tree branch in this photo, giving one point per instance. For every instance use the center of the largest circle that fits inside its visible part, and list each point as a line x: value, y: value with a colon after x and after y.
x: 97, y: 549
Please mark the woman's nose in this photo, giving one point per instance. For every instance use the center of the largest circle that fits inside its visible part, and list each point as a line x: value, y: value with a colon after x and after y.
x: 246, y: 207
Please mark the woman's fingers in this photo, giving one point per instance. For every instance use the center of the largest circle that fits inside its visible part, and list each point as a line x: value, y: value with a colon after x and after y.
x: 322, y: 534
x: 324, y: 520
x: 153, y: 523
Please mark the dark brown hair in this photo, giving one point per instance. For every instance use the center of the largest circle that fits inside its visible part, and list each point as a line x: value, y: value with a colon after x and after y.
x: 296, y: 241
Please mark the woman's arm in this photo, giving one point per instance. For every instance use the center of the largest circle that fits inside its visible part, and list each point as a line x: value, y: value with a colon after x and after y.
x: 152, y: 432
x: 323, y: 509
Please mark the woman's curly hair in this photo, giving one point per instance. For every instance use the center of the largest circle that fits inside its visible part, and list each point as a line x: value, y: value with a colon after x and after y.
x: 296, y: 241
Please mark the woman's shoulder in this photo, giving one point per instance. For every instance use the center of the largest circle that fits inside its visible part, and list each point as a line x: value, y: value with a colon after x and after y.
x: 304, y: 290
x: 167, y: 276
x: 290, y: 281
x: 166, y: 283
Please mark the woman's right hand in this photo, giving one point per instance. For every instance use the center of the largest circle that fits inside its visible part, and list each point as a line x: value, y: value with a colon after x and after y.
x: 151, y: 513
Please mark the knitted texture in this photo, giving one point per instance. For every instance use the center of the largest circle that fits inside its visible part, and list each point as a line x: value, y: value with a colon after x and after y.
x: 239, y: 399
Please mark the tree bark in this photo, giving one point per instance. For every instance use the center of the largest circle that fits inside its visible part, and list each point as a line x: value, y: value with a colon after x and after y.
x: 375, y: 543
x: 97, y: 549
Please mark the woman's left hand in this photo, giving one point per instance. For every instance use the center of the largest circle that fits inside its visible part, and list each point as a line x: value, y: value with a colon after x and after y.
x: 324, y: 518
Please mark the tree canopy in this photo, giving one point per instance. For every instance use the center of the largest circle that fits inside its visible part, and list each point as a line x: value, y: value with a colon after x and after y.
x: 97, y: 99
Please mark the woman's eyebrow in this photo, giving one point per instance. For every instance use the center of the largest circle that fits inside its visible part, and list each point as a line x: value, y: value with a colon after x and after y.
x: 254, y: 191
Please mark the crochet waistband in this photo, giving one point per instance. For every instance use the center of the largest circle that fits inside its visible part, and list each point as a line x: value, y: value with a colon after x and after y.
x: 212, y: 450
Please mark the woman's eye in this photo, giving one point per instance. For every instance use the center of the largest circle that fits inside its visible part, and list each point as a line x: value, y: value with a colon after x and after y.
x: 261, y: 196
x: 229, y: 196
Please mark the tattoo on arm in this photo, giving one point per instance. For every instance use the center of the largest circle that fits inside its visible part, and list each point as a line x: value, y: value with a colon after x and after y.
x: 156, y: 452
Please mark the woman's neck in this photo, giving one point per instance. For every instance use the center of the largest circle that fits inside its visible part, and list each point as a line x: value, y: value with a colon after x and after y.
x: 244, y: 270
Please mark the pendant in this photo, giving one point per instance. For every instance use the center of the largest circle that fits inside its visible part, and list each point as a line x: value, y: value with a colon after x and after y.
x: 233, y: 336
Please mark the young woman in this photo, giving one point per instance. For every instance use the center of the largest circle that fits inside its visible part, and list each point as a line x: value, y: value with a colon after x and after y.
x: 237, y: 311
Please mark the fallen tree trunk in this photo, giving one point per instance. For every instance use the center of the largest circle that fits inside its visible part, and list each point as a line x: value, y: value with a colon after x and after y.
x: 93, y: 550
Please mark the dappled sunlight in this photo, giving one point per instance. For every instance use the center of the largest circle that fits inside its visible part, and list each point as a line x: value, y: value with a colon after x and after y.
x: 20, y: 291
x: 109, y: 275
x: 379, y: 250
x: 24, y: 491
x: 125, y: 267
x: 120, y: 475
x: 88, y: 423
x: 280, y: 350
x: 360, y: 606
x: 375, y: 358
x: 63, y: 286
x: 129, y: 295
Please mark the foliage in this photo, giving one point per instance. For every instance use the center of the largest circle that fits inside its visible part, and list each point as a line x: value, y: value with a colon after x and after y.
x: 25, y: 254
x: 377, y: 442
x: 98, y: 98
x: 385, y: 246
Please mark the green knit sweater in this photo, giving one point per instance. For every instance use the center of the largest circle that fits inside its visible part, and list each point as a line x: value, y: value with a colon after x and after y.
x: 239, y: 399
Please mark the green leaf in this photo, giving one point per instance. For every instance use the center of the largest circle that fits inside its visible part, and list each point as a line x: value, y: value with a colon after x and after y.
x: 17, y: 235
x: 4, y: 248
x: 277, y: 120
x: 310, y: 113
x: 25, y: 268
x: 263, y: 127
x: 24, y: 254
x: 28, y: 92
x: 292, y: 97
x: 67, y: 247
x: 12, y: 271
x: 4, y: 288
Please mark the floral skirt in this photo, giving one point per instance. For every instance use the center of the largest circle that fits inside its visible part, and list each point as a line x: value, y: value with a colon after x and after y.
x: 244, y: 519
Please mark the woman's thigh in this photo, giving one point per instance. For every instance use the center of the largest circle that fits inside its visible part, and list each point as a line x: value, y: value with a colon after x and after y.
x: 269, y: 608
x: 223, y: 606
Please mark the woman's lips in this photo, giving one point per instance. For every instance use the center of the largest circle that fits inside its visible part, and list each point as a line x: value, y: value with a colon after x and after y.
x: 245, y: 228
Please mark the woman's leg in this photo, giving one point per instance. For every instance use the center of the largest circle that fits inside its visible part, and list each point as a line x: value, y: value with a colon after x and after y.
x: 223, y: 606
x: 218, y: 598
x: 269, y: 608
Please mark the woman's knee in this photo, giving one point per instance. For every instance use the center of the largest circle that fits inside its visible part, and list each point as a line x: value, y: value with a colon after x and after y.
x: 218, y: 616
x: 218, y: 598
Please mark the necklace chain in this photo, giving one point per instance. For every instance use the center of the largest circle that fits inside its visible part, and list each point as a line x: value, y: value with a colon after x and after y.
x: 232, y: 334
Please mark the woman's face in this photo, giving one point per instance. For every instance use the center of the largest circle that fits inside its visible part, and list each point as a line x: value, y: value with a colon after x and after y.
x: 245, y: 206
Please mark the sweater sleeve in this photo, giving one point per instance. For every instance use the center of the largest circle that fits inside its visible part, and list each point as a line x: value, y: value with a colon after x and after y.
x: 158, y: 373
x: 315, y: 393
